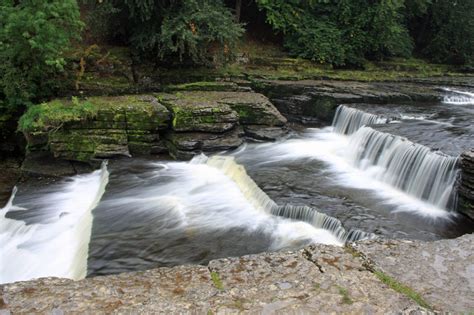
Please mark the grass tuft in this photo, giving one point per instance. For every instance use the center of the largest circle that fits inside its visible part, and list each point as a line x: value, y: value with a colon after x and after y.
x: 403, y: 289
x: 217, y: 280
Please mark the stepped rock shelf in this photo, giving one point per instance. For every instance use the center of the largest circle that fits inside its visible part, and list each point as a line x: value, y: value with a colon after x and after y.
x: 183, y: 124
x: 367, y: 277
x: 375, y: 276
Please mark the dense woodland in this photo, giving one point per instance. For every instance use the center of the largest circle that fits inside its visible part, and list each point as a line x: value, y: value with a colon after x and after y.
x: 36, y: 36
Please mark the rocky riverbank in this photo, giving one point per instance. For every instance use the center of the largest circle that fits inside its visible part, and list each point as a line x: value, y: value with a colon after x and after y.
x: 383, y: 276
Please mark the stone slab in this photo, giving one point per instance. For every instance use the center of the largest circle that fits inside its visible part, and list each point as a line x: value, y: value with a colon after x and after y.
x: 442, y: 271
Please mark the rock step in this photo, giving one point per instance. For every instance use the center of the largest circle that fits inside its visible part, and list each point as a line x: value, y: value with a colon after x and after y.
x: 380, y: 276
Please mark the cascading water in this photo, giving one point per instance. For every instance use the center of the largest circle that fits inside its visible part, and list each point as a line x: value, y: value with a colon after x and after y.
x: 348, y: 120
x: 261, y: 201
x: 48, y: 235
x: 457, y: 97
x: 192, y: 212
x: 412, y: 168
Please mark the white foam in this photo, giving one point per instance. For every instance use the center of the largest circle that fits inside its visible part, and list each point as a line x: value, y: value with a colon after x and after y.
x: 56, y: 243
x: 457, y: 97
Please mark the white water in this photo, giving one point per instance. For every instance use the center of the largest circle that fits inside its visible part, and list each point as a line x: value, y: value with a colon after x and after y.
x: 348, y: 120
x: 54, y: 240
x: 405, y: 176
x: 262, y: 202
x: 203, y: 200
x: 457, y: 97
x: 407, y: 166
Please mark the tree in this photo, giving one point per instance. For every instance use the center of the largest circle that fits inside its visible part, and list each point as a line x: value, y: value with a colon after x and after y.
x: 192, y: 31
x: 33, y: 37
x: 342, y: 32
x: 450, y: 37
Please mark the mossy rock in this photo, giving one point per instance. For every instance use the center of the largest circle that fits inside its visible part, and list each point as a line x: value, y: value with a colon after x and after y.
x: 138, y: 111
x: 216, y: 86
x: 199, y: 111
x: 220, y: 111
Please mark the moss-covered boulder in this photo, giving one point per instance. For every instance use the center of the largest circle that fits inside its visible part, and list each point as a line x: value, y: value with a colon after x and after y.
x: 99, y: 127
x: 199, y: 112
x: 194, y: 111
x: 210, y: 121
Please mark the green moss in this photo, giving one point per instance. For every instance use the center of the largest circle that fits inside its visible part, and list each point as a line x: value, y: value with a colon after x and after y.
x: 346, y: 299
x: 403, y: 289
x: 201, y: 86
x: 54, y: 114
x: 217, y: 280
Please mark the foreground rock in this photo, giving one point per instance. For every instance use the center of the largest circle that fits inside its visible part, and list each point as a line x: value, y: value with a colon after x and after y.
x: 369, y: 277
x: 318, y: 279
x: 442, y: 271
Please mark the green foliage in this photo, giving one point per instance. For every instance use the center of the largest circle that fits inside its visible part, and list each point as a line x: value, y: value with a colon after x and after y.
x: 33, y: 37
x: 450, y: 32
x: 195, y: 31
x: 52, y: 115
x: 342, y: 32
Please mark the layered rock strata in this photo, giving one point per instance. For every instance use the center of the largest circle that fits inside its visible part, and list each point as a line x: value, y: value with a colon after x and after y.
x: 466, y: 184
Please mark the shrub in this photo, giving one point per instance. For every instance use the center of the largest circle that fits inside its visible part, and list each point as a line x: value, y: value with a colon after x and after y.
x: 33, y: 37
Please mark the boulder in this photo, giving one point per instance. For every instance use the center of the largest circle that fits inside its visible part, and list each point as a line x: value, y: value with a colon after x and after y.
x: 466, y: 184
x: 214, y: 121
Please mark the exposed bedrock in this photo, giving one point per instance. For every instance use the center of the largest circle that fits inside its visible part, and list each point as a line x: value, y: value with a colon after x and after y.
x: 182, y: 124
x: 315, y: 101
x: 116, y: 126
x: 379, y: 277
x: 466, y: 184
x: 216, y: 121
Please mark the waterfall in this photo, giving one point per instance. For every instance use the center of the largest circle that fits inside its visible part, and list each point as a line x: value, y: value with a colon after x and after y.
x: 410, y: 167
x: 262, y: 201
x: 48, y: 236
x: 348, y: 120
x: 458, y: 97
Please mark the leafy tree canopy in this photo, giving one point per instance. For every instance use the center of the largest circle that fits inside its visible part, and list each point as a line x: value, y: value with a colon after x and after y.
x: 33, y: 37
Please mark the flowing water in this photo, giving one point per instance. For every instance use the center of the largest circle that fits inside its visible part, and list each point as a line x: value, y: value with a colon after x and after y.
x: 380, y: 170
x: 47, y: 233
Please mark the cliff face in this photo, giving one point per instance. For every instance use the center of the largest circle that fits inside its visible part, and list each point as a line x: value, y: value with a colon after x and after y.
x: 466, y: 184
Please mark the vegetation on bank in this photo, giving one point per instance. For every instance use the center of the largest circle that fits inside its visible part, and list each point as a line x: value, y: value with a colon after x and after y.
x: 52, y: 115
x: 43, y: 54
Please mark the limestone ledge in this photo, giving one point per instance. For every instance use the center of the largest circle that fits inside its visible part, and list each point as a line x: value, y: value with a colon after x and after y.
x: 315, y: 101
x: 317, y: 279
x: 182, y: 124
x: 213, y: 121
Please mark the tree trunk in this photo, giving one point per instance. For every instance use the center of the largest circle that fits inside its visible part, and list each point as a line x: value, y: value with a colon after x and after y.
x: 238, y: 7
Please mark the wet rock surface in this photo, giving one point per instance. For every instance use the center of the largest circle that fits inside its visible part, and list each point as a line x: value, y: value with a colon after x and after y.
x: 315, y: 101
x: 466, y: 184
